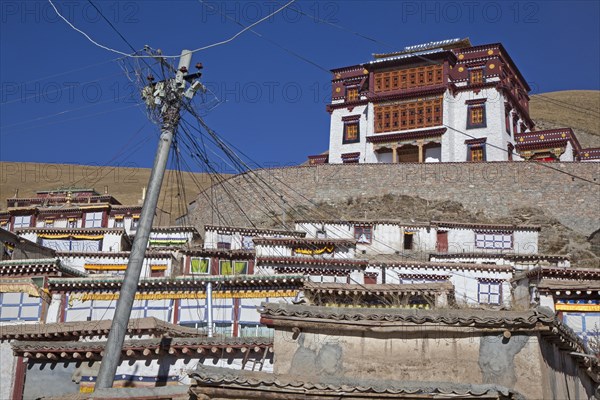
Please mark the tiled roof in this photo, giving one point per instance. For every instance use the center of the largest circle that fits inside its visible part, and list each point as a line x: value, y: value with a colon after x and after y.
x: 138, y: 348
x: 229, y: 383
x: 570, y: 285
x: 540, y: 319
x: 78, y: 329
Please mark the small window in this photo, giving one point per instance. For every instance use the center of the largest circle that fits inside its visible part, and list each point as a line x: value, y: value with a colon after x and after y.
x: 22, y: 221
x: 351, y: 133
x: 352, y: 94
x: 507, y: 119
x: 199, y: 265
x: 476, y: 117
x: 510, y: 149
x: 119, y: 223
x: 490, y: 292
x: 4, y: 224
x: 321, y: 234
x: 135, y: 222
x: 363, y: 233
x: 157, y: 273
x: 49, y: 223
x: 476, y: 76
x: 247, y: 243
x: 93, y: 220
x: 408, y: 240
x: 515, y: 123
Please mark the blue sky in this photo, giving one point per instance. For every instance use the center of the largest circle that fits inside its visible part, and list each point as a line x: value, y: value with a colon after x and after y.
x: 269, y: 103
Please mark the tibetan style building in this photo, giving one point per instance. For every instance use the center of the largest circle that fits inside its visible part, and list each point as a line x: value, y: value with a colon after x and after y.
x: 447, y: 101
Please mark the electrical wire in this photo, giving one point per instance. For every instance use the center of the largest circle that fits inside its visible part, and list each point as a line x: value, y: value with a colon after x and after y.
x: 166, y: 56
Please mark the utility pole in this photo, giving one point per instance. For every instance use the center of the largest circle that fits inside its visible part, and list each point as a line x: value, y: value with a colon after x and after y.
x: 169, y: 96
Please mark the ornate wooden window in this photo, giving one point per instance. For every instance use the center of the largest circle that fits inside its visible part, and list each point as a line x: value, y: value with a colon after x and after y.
x: 410, y: 115
x: 476, y: 154
x: 476, y: 76
x: 351, y: 133
x: 476, y: 150
x: 476, y: 117
x: 352, y: 94
x: 408, y: 78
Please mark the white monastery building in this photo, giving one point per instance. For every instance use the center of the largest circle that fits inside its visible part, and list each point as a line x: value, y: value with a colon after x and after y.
x: 446, y: 101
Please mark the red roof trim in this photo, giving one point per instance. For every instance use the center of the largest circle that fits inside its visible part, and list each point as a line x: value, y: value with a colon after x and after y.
x: 422, y: 133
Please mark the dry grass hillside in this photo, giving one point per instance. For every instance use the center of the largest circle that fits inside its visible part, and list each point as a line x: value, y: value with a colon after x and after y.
x: 577, y: 109
x: 125, y: 184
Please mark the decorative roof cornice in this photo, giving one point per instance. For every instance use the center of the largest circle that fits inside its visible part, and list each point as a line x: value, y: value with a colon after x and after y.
x: 506, y: 256
x: 307, y: 242
x: 253, y: 231
x: 363, y: 222
x: 546, y: 138
x: 485, y: 226
x: 564, y: 272
x: 201, y: 252
x: 36, y: 267
x: 71, y: 231
x: 190, y: 229
x: 115, y: 254
x: 394, y: 137
x: 389, y: 262
x: 590, y: 153
x: 378, y: 289
x: 325, y: 263
x: 188, y: 282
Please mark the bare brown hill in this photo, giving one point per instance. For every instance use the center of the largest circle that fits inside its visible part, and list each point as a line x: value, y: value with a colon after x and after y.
x: 124, y: 183
x: 577, y: 109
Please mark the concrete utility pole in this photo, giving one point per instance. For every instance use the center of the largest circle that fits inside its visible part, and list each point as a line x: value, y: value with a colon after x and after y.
x: 169, y: 96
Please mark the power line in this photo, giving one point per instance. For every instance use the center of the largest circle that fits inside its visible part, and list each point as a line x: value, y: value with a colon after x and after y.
x: 166, y: 56
x: 266, y: 38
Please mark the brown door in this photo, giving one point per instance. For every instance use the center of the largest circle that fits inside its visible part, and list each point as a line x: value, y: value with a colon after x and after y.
x: 442, y: 242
